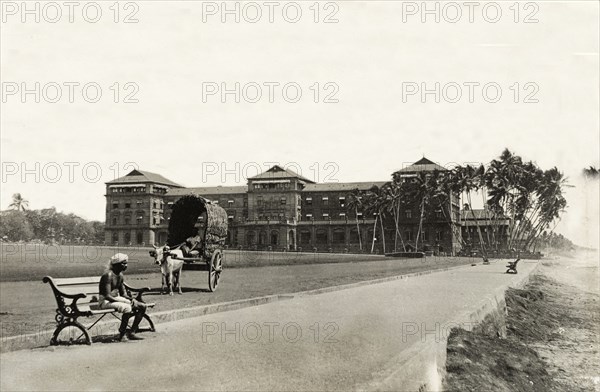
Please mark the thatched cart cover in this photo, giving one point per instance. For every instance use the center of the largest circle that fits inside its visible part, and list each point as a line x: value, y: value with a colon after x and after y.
x: 193, y: 214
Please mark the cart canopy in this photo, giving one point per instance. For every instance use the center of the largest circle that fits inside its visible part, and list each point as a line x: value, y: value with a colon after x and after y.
x: 194, y: 215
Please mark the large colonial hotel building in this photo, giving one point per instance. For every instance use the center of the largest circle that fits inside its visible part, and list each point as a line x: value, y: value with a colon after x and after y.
x: 277, y: 210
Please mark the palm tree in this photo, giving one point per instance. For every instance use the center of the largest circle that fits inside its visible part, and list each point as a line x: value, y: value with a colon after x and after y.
x: 533, y: 197
x: 550, y: 204
x: 18, y: 203
x: 396, y: 190
x: 466, y: 180
x: 421, y: 192
x: 355, y: 203
x: 370, y: 207
x: 376, y: 201
x: 441, y: 187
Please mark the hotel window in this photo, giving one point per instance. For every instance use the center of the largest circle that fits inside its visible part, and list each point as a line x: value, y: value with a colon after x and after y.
x: 342, y: 215
x: 342, y: 201
x: 154, y: 204
x: 325, y: 201
x: 156, y: 220
x: 230, y: 202
x: 408, y: 235
x: 438, y: 214
x: 115, y: 206
x: 408, y: 214
x: 139, y: 219
x: 439, y: 235
x: 359, y: 215
x: 308, y: 216
x: 114, y: 221
x: 138, y: 203
x: 127, y: 205
x: 127, y: 220
x: 283, y: 200
x: 325, y: 215
x: 309, y: 201
x: 259, y: 201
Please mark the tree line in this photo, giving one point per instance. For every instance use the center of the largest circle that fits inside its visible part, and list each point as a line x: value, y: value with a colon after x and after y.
x: 19, y: 223
x: 531, y: 200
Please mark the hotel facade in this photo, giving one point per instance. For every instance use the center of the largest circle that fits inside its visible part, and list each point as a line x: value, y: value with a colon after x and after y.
x: 279, y: 210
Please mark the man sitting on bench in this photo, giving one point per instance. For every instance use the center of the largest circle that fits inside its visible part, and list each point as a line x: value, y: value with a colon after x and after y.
x: 112, y: 296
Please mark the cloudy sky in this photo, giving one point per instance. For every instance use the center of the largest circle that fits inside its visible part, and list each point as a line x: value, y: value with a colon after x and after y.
x: 540, y: 97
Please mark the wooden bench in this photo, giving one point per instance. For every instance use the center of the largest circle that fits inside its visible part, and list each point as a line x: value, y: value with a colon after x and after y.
x: 512, y: 266
x: 84, y: 293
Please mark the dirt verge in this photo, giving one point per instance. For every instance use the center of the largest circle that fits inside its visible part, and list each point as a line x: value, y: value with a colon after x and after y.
x: 551, y: 344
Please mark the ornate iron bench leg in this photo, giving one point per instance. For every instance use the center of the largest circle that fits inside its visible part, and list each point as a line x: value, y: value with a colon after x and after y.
x: 147, y: 317
x: 73, y: 323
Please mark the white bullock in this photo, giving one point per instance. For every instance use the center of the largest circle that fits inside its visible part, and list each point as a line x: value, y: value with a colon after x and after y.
x: 170, y: 267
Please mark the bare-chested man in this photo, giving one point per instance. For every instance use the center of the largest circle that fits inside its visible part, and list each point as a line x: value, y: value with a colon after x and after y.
x: 113, y: 296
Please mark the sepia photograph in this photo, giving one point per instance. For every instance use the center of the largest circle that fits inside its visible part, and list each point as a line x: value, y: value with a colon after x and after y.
x: 304, y: 195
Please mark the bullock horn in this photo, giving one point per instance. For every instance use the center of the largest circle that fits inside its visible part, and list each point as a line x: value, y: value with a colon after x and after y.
x: 155, y: 247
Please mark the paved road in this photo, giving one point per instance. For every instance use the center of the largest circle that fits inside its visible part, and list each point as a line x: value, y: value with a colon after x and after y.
x: 333, y: 341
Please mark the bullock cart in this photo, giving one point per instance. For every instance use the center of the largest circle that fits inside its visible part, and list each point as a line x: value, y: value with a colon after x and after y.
x: 197, y: 233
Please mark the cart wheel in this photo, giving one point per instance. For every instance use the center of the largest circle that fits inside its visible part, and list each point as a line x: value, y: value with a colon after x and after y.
x: 214, y: 273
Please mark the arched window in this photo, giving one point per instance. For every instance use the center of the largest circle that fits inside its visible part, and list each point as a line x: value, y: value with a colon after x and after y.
x: 321, y: 236
x: 305, y: 237
x: 262, y: 238
x: 251, y: 238
x: 274, y: 237
x: 339, y: 236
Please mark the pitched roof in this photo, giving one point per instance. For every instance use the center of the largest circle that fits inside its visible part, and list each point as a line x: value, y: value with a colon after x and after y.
x: 343, y: 186
x: 421, y: 165
x: 277, y: 172
x: 208, y: 190
x: 479, y: 214
x: 143, y: 176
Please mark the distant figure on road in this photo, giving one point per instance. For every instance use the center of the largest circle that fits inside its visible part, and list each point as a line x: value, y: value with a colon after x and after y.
x: 112, y: 296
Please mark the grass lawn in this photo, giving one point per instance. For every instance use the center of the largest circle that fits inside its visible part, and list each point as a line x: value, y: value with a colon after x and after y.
x: 27, y: 305
x: 20, y: 262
